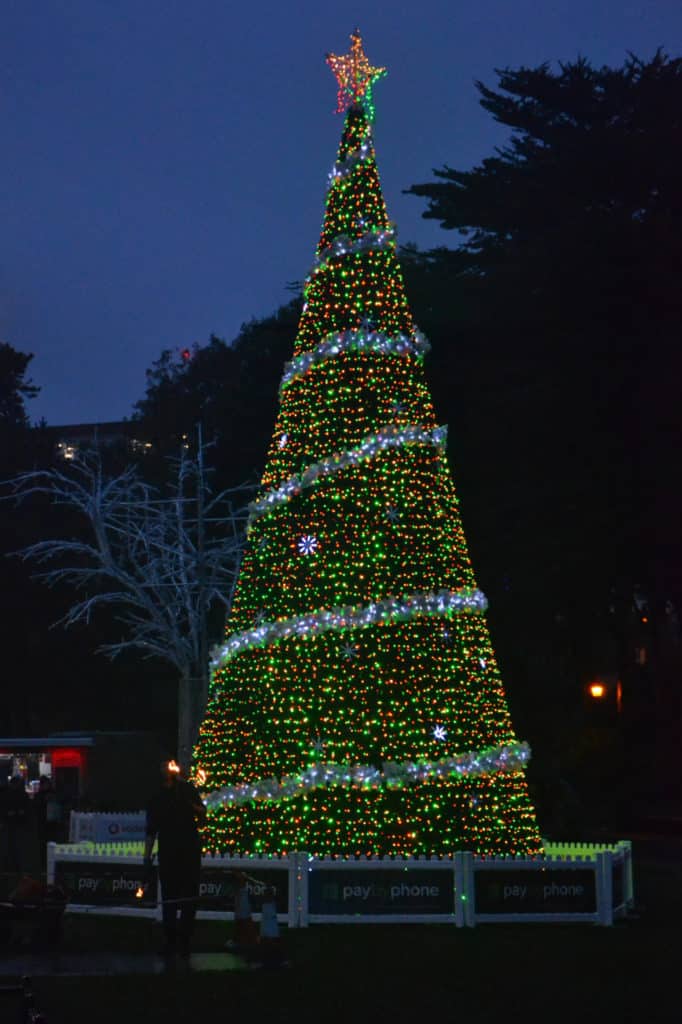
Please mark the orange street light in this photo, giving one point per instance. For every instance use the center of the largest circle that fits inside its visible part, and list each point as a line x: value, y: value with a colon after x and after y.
x: 597, y: 691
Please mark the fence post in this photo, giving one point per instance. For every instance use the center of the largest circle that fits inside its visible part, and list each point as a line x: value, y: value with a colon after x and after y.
x: 468, y: 889
x: 604, y: 886
x: 158, y: 915
x: 50, y: 863
x: 628, y: 882
x: 460, y: 891
x: 293, y: 917
x: 301, y: 893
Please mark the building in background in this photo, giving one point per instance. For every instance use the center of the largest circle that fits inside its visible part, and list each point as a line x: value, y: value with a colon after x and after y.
x: 91, y: 771
x: 70, y: 438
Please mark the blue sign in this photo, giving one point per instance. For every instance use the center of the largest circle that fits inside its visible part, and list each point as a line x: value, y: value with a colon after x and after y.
x: 545, y: 891
x: 106, y: 884
x: 217, y: 887
x: 389, y: 891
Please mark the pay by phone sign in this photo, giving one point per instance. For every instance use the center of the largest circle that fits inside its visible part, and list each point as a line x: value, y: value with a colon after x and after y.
x: 107, y: 884
x: 550, y: 891
x: 217, y: 888
x: 379, y: 892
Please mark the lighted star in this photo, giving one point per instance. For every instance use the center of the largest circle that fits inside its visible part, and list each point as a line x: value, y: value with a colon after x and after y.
x: 440, y: 732
x: 355, y: 76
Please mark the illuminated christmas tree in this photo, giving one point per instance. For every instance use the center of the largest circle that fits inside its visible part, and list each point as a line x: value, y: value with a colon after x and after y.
x: 356, y: 706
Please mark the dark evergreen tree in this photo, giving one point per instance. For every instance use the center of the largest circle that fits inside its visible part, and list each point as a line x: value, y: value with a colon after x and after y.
x: 567, y: 278
x: 15, y: 389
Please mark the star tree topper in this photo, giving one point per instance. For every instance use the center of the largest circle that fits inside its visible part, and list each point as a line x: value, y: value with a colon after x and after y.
x: 355, y: 76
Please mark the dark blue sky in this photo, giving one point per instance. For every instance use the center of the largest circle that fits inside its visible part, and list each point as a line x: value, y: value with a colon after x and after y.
x: 164, y: 164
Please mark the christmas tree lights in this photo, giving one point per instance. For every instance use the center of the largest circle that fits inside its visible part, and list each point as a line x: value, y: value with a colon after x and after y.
x: 388, y: 437
x: 356, y: 706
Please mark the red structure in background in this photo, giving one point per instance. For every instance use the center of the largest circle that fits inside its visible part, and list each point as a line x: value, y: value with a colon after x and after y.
x: 68, y: 757
x: 107, y: 771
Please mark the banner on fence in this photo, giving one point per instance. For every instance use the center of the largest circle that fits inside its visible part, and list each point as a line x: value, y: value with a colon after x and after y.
x: 107, y: 828
x: 106, y: 884
x: 354, y: 891
x: 465, y: 890
x: 549, y: 891
x: 217, y: 888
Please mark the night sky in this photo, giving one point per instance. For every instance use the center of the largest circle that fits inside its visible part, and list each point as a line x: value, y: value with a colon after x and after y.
x: 164, y: 164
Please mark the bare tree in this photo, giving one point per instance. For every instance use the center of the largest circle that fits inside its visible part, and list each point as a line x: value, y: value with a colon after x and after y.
x: 164, y: 559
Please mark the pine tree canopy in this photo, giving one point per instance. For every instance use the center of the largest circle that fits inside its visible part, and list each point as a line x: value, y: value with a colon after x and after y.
x: 581, y: 211
x: 14, y: 388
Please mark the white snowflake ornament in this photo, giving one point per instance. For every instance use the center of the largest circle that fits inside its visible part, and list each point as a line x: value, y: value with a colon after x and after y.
x: 318, y: 744
x: 308, y: 544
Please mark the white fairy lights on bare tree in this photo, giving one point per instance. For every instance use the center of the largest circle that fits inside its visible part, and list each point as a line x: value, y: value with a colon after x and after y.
x: 163, y: 559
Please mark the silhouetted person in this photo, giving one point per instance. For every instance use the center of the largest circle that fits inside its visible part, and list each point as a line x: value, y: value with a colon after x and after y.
x: 18, y: 827
x: 174, y: 815
x: 47, y: 813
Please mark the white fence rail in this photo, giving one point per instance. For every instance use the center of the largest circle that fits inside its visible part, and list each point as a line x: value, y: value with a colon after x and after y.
x: 110, y: 878
x: 586, y: 883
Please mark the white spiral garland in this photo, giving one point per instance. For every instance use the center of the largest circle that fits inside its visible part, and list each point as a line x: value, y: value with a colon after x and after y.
x: 390, y: 436
x: 391, y: 609
x: 377, y: 238
x: 357, y: 340
x: 343, y: 168
x: 509, y: 757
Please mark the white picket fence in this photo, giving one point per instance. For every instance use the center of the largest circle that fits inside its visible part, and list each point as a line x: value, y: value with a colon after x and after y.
x: 577, y: 882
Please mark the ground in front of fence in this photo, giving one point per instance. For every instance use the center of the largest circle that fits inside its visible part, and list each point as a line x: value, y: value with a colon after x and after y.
x: 123, y: 964
x: 378, y: 973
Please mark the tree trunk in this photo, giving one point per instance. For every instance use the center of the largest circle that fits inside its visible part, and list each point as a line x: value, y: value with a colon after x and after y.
x: 186, y: 719
x: 192, y: 694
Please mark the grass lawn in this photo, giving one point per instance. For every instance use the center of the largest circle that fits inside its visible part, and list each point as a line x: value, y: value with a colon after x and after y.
x: 383, y: 973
